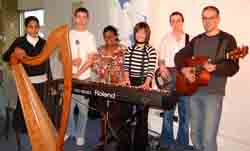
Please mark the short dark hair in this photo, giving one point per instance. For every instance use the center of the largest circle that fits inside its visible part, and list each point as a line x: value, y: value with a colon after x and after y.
x: 29, y: 19
x: 145, y: 26
x: 81, y: 9
x: 211, y: 8
x: 176, y: 13
x: 110, y: 28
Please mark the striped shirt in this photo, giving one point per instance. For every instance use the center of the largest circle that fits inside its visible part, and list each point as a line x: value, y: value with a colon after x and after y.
x: 140, y: 61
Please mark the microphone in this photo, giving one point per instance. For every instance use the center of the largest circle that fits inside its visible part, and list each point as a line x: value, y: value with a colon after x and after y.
x: 77, y: 42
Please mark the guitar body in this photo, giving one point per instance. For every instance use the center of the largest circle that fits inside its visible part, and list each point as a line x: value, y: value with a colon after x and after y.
x: 178, y: 82
x: 182, y: 85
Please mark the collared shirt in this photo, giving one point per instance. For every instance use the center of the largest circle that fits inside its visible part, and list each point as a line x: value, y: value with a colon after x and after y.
x: 32, y: 40
x: 169, y: 46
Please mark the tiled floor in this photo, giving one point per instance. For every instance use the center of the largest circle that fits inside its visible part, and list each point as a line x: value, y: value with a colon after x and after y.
x: 92, y: 139
x: 226, y: 142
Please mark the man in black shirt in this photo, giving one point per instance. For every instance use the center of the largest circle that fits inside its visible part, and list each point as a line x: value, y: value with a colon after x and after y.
x: 206, y: 103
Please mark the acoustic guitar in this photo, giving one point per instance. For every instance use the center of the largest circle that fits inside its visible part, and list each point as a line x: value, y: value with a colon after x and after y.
x: 182, y: 85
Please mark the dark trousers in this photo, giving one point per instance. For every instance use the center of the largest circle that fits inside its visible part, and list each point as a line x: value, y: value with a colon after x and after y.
x: 133, y: 139
x: 124, y: 130
x: 140, y: 138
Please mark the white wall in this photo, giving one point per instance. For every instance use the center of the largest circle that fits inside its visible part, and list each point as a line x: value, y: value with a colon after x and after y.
x: 99, y: 17
x: 29, y: 4
x: 57, y: 12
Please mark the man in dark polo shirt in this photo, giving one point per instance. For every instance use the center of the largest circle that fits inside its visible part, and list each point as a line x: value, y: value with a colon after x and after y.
x: 206, y: 103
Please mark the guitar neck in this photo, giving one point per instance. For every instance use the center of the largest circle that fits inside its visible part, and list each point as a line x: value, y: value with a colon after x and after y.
x: 226, y: 57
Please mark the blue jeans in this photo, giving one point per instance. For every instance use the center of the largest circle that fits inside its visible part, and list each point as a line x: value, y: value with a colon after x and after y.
x: 77, y: 128
x: 205, y: 118
x: 25, y: 144
x: 167, y: 136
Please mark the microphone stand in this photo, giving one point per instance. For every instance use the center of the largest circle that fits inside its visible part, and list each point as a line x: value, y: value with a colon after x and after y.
x: 107, y: 126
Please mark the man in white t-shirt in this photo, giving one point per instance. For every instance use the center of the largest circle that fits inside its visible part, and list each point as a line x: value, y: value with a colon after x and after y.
x: 170, y: 45
x: 83, y: 48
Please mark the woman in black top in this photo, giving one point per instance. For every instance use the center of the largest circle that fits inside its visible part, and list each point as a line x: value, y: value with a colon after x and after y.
x: 139, y: 66
x: 32, y: 45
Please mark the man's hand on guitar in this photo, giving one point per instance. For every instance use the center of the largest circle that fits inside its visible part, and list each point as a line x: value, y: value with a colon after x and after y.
x: 209, y: 67
x: 189, y: 73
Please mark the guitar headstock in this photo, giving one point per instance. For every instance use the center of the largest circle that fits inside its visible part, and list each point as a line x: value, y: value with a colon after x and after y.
x: 238, y: 53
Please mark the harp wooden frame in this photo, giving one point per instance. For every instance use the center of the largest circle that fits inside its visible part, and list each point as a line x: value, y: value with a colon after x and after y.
x: 43, y: 136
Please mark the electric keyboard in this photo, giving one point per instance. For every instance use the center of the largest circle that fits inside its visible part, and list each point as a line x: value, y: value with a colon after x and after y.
x: 128, y: 94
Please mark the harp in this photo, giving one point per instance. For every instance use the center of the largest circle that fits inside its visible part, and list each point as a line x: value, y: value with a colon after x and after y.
x: 42, y: 134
